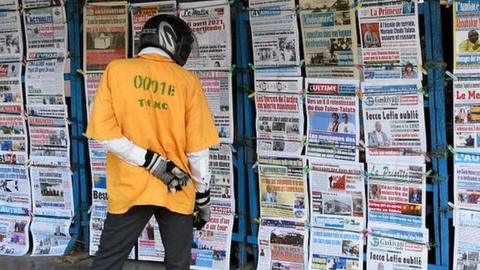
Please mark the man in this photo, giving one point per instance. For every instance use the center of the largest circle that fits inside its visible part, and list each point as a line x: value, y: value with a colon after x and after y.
x: 408, y: 7
x: 378, y: 137
x: 370, y: 39
x: 153, y: 118
x: 345, y: 126
x: 270, y: 195
x: 333, y: 124
x: 472, y: 44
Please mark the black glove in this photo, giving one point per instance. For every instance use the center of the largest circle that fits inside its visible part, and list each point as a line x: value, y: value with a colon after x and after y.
x: 174, y: 177
x: 202, y: 204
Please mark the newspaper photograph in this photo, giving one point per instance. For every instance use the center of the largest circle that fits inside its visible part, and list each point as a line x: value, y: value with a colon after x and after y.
x: 466, y: 27
x: 105, y: 34
x: 209, y: 21
x: 466, y: 246
x: 13, y: 139
x: 9, y: 4
x: 11, y: 94
x: 335, y: 249
x: 283, y: 188
x: 46, y: 32
x: 279, y: 85
x: 150, y: 247
x: 11, y: 40
x: 41, y: 3
x: 390, y: 39
x: 466, y: 114
x: 52, y: 191
x: 397, y: 248
x: 275, y: 37
x: 396, y: 194
x: 15, y: 196
x: 329, y: 38
x: 333, y: 126
x: 279, y: 118
x: 92, y: 80
x: 141, y: 12
x: 466, y: 179
x: 282, y: 244
x: 394, y: 122
x: 337, y: 195
x: 14, y: 238
x: 50, y: 236
x: 49, y: 141
x: 217, y: 86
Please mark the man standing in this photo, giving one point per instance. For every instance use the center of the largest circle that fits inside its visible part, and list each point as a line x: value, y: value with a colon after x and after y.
x: 153, y: 118
x: 345, y: 126
x: 378, y: 137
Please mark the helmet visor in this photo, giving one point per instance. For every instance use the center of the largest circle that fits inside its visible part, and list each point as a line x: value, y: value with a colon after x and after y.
x: 195, y: 51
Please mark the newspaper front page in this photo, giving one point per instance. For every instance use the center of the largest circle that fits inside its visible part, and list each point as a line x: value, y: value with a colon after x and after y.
x: 282, y: 244
x: 50, y: 236
x: 275, y: 37
x: 11, y: 40
x: 11, y: 94
x: 390, y: 39
x: 329, y: 38
x: 15, y: 192
x: 333, y: 128
x: 466, y: 177
x: 394, y: 122
x: 46, y: 32
x: 217, y: 86
x: 14, y: 238
x: 335, y: 249
x: 52, y: 191
x: 150, y: 247
x: 210, y: 22
x: 466, y: 114
x: 396, y: 194
x: 13, y: 139
x: 397, y: 248
x: 92, y: 80
x: 105, y: 34
x: 337, y: 195
x: 283, y: 188
x: 466, y: 27
x: 466, y: 247
x: 141, y: 12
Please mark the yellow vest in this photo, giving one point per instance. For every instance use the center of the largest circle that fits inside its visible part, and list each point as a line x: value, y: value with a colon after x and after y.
x: 159, y: 106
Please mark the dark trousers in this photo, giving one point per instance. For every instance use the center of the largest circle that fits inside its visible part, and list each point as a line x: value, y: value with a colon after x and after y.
x: 121, y: 232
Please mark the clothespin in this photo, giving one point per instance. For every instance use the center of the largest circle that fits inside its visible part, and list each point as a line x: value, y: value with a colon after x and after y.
x: 359, y: 94
x: 232, y: 148
x: 251, y: 66
x: 90, y: 209
x: 359, y: 67
x: 81, y: 72
x: 302, y: 63
x: 361, y: 145
x: 425, y: 175
x: 251, y: 95
x: 307, y: 169
x: 423, y: 91
x: 422, y: 69
x: 232, y: 69
x: 365, y: 174
x: 356, y: 5
x: 451, y: 75
x: 255, y: 165
x: 452, y: 150
x: 427, y: 157
x: 303, y: 141
x: 256, y: 221
x: 366, y: 232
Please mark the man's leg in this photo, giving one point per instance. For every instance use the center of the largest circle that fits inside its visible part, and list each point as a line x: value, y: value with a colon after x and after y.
x: 177, y: 236
x: 119, y: 235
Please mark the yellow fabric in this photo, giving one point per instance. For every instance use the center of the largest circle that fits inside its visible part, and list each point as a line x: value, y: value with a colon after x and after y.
x: 159, y: 106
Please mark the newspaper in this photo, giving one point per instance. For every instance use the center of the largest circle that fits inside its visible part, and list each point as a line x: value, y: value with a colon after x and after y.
x: 329, y: 38
x: 141, y: 12
x: 14, y: 238
x: 390, y: 39
x: 105, y: 34
x: 275, y: 40
x: 49, y: 141
x: 210, y: 21
x: 11, y: 40
x: 217, y: 86
x: 11, y: 94
x: 92, y: 80
x: 15, y: 190
x: 467, y: 240
x: 282, y: 244
x: 466, y: 114
x: 335, y: 249
x: 97, y: 219
x: 52, y: 193
x: 396, y: 194
x: 394, y: 123
x: 41, y: 3
x: 397, y: 248
x: 279, y: 124
x: 466, y: 27
x: 13, y: 139
x: 333, y: 129
x: 9, y: 4
x: 50, y: 236
x: 337, y: 195
x: 46, y: 32
x: 150, y: 247
x: 221, y: 174
x: 283, y: 188
x: 466, y: 177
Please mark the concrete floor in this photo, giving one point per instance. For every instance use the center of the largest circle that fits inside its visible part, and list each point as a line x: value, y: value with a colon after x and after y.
x: 60, y: 263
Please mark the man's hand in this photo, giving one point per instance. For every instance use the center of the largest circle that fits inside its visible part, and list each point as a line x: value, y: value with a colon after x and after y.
x: 202, y: 204
x: 174, y: 177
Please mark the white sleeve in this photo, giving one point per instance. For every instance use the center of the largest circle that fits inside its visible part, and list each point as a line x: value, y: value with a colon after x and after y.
x: 126, y: 150
x: 199, y: 166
